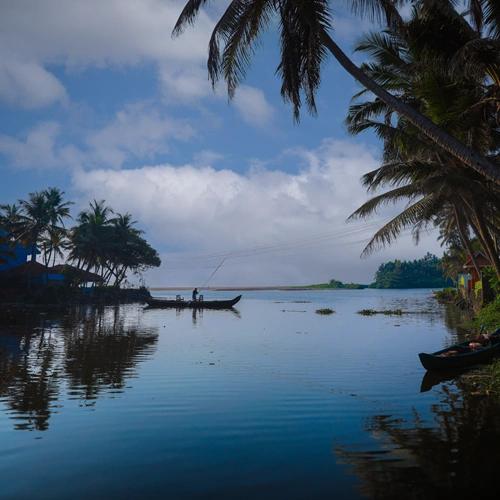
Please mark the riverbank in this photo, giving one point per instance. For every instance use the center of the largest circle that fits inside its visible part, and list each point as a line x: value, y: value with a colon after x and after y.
x: 51, y: 296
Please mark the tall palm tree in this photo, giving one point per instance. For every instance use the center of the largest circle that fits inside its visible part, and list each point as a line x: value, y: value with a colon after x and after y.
x: 10, y: 218
x: 304, y: 32
x: 110, y: 246
x: 91, y: 238
x: 35, y: 220
x: 436, y: 186
x: 43, y: 212
x: 59, y: 210
x: 53, y: 243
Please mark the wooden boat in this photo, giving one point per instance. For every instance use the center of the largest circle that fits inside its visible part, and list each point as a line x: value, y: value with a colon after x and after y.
x: 464, y: 357
x: 192, y: 304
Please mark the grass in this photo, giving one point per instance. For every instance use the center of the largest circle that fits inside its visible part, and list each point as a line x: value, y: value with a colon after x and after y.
x: 387, y: 312
x: 489, y: 316
x: 446, y: 295
x: 325, y: 311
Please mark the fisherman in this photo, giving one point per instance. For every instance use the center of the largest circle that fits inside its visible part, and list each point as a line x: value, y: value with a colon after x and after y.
x: 195, y: 294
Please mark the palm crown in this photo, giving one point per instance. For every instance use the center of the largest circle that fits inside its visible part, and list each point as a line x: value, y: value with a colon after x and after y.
x: 304, y: 27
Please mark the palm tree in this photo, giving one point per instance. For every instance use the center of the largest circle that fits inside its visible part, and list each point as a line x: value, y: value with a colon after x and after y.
x: 42, y: 213
x: 35, y: 220
x: 436, y: 186
x: 10, y: 218
x: 91, y: 238
x: 304, y: 31
x: 58, y: 208
x: 53, y: 243
x: 110, y: 246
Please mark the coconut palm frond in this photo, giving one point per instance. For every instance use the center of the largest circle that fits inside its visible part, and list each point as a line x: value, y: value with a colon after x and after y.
x: 396, y: 173
x: 491, y: 16
x: 389, y: 197
x: 384, y: 47
x: 390, y: 231
x: 361, y: 112
x: 188, y: 15
x: 237, y: 29
x: 302, y: 24
x: 380, y: 10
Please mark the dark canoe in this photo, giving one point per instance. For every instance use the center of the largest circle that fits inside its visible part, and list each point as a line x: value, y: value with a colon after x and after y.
x: 193, y: 304
x: 465, y: 357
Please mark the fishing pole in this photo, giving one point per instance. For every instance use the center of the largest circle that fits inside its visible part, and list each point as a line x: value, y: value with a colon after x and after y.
x: 213, y: 274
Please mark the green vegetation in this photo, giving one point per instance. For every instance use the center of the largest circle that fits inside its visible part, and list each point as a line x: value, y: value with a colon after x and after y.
x: 425, y: 59
x: 102, y: 242
x: 489, y: 316
x: 337, y: 285
x: 109, y: 244
x: 326, y: 311
x: 386, y: 312
x: 446, y: 296
x: 421, y: 273
x: 426, y: 272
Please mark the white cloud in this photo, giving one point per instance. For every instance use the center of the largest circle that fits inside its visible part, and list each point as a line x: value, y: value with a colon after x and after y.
x: 184, y: 83
x: 28, y: 85
x: 37, y: 150
x: 137, y: 132
x: 92, y: 33
x: 204, y: 210
x: 252, y: 104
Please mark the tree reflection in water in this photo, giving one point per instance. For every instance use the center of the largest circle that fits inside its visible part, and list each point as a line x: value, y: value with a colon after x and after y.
x: 88, y: 351
x: 455, y: 456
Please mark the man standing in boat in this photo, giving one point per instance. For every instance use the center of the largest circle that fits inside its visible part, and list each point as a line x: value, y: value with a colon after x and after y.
x: 195, y: 294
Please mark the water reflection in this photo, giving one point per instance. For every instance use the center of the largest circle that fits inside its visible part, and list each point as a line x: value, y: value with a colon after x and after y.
x: 454, y: 454
x: 80, y: 355
x: 197, y: 313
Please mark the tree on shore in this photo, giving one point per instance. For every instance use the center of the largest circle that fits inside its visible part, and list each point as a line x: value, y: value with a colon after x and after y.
x: 304, y: 27
x: 34, y: 220
x: 109, y: 244
x: 420, y: 62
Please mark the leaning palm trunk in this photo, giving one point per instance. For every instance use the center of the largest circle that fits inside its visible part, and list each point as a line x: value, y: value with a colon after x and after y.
x: 488, y: 242
x: 304, y: 41
x: 465, y: 239
x: 421, y: 122
x: 477, y: 227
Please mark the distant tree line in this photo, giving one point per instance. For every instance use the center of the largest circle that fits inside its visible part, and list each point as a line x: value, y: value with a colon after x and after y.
x: 421, y: 273
x: 102, y: 241
x: 427, y: 272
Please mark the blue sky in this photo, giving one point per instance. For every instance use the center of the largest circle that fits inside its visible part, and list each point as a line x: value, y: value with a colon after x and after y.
x: 96, y: 98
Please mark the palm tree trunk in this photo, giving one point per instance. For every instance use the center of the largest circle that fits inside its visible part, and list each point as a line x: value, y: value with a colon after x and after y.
x: 421, y: 122
x: 490, y: 246
x: 465, y: 239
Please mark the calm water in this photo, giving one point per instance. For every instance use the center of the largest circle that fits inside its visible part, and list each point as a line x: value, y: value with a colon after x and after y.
x: 269, y: 401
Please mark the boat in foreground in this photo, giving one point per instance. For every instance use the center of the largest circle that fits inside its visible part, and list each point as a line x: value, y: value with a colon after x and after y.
x: 192, y: 304
x: 461, y: 355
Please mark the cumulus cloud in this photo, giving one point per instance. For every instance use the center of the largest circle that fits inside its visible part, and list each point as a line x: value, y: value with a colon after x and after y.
x: 35, y: 35
x: 137, y: 132
x: 252, y: 104
x: 280, y: 227
x: 91, y: 33
x: 28, y: 84
x: 40, y: 149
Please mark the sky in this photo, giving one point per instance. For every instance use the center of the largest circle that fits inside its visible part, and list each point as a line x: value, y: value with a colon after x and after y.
x: 98, y: 99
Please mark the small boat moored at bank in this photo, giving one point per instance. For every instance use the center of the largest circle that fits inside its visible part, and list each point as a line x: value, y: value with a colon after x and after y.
x: 192, y: 304
x: 463, y: 355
